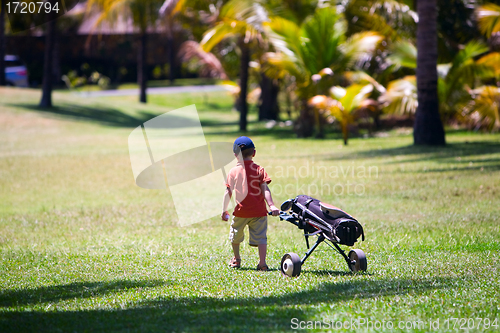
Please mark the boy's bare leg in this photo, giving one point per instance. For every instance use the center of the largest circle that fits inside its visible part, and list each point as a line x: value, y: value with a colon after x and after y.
x: 236, y: 250
x: 262, y: 254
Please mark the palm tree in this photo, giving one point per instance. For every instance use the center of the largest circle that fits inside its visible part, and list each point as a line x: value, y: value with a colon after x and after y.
x: 50, y: 36
x: 143, y: 14
x: 168, y: 11
x: 342, y: 105
x: 2, y: 42
x: 316, y: 54
x: 428, y: 128
x: 243, y: 19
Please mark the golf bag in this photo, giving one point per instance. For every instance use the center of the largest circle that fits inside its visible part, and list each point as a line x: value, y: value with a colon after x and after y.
x: 335, y: 224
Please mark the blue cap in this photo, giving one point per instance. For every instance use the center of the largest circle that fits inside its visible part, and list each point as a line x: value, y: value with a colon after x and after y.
x: 242, y: 143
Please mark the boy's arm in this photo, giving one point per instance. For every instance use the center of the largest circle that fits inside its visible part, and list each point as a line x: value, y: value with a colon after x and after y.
x: 225, y: 204
x: 269, y: 199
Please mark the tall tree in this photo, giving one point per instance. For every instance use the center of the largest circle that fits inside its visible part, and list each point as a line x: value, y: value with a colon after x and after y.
x: 50, y: 36
x: 168, y: 11
x: 428, y: 128
x: 144, y: 14
x: 2, y: 43
x: 241, y: 18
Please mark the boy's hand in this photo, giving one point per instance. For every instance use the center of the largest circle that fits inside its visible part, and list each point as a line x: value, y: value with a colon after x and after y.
x: 275, y: 211
x: 225, y: 216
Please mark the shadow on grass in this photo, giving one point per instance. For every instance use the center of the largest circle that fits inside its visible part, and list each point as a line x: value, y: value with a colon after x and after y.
x: 328, y: 272
x: 102, y: 115
x: 451, y: 150
x: 453, y: 153
x: 208, y: 314
x: 254, y: 269
x: 56, y: 293
x: 276, y: 133
x: 114, y: 117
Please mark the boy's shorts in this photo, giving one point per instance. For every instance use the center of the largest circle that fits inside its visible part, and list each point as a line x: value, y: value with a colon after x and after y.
x: 257, y: 227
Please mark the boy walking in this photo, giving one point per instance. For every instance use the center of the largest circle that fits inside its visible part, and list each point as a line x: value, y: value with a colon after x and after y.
x: 248, y: 182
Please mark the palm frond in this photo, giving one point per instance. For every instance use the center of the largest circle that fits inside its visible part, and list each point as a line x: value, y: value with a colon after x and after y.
x: 237, y: 17
x: 363, y: 78
x: 208, y: 64
x: 491, y: 60
x: 360, y: 46
x: 399, y: 10
x: 403, y: 54
x: 321, y: 33
x: 483, y: 110
x: 464, y: 69
x: 488, y: 17
x: 283, y: 35
x: 401, y: 96
x: 142, y: 13
x: 354, y: 95
x: 277, y: 65
x: 215, y: 35
x: 171, y: 7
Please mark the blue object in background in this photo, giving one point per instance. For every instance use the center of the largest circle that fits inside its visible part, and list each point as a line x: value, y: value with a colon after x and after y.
x: 16, y: 73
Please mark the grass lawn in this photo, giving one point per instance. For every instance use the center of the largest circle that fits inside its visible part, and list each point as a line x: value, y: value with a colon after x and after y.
x: 85, y: 250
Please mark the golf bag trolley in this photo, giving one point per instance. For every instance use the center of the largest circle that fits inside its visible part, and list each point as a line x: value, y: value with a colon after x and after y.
x: 328, y: 223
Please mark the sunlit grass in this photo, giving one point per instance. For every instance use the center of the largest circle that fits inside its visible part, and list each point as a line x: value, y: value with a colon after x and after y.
x: 84, y: 249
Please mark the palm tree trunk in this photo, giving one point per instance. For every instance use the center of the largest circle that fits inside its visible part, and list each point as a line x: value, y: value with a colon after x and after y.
x: 141, y: 67
x: 268, y: 106
x: 245, y: 59
x: 46, y: 101
x: 304, y: 125
x: 428, y: 128
x: 2, y: 43
x: 171, y: 58
x: 345, y: 133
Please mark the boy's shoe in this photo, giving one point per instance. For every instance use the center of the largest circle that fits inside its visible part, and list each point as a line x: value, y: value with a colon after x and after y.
x: 262, y: 268
x: 235, y: 263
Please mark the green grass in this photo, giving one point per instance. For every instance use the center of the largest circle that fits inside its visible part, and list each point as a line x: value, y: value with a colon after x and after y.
x: 84, y: 249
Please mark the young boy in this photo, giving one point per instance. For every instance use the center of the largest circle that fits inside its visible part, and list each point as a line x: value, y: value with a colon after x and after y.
x: 248, y: 181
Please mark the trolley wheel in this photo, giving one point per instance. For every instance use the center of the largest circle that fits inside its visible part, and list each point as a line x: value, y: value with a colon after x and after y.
x: 357, y: 260
x: 291, y: 264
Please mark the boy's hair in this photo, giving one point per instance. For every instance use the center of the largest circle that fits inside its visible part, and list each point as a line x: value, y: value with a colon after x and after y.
x: 247, y: 152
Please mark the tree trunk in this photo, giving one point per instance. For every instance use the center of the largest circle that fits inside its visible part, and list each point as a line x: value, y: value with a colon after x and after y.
x: 345, y: 133
x: 171, y: 58
x: 2, y: 43
x: 142, y: 79
x: 428, y: 128
x: 304, y: 126
x: 56, y: 60
x: 46, y: 101
x: 268, y: 101
x: 245, y: 59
